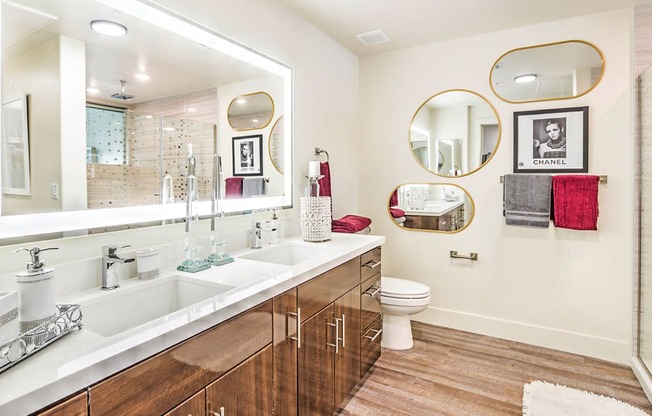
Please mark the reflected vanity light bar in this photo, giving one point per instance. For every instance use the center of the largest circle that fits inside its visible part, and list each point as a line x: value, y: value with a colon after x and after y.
x: 164, y: 19
x: 522, y: 79
x: 419, y: 130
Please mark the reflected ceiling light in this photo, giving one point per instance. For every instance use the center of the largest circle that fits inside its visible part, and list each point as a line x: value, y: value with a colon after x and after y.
x: 191, y: 110
x: 109, y: 28
x: 255, y: 120
x: 241, y: 101
x: 92, y: 90
x: 521, y: 79
x: 169, y: 128
x: 142, y: 76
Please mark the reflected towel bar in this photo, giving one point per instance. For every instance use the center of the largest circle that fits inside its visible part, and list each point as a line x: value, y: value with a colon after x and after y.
x: 471, y: 256
x: 319, y: 151
x: 603, y: 178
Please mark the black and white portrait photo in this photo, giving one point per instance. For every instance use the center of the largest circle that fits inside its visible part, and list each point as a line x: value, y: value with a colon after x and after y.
x: 551, y: 141
x: 248, y: 155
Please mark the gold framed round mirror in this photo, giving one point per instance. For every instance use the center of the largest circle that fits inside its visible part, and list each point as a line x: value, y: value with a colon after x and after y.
x: 275, y: 144
x: 454, y: 133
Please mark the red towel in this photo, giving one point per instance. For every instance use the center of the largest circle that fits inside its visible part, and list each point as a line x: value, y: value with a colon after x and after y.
x: 233, y: 188
x: 325, y: 182
x: 393, y: 200
x: 575, y: 201
x: 350, y: 224
x: 397, y: 212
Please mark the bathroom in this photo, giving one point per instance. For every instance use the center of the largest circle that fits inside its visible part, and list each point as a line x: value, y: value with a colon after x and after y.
x: 561, y: 289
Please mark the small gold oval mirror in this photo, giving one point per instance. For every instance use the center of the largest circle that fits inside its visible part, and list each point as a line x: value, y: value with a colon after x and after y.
x: 275, y: 144
x: 454, y: 133
x: 437, y: 207
x: 250, y: 111
x: 553, y: 71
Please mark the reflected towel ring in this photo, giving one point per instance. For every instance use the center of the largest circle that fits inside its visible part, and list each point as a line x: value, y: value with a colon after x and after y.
x: 319, y: 151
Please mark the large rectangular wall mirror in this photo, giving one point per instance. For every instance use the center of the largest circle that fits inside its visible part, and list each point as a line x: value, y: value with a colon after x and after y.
x: 113, y: 118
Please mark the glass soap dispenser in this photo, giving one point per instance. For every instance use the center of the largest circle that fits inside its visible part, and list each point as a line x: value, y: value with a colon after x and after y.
x: 36, y: 302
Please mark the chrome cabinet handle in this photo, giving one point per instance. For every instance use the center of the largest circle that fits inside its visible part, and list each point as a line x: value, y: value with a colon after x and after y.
x: 287, y: 327
x: 372, y: 291
x: 372, y: 264
x: 337, y: 335
x: 215, y: 413
x: 377, y: 331
x: 343, y: 330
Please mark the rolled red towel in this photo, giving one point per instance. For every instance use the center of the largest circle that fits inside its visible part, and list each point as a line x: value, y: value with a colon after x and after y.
x: 397, y: 212
x: 351, y: 224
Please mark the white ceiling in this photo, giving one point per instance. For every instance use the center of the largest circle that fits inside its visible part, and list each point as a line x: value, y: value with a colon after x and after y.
x: 417, y: 22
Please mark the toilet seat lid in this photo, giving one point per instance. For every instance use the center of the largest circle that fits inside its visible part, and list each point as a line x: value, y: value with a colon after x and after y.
x: 402, y: 288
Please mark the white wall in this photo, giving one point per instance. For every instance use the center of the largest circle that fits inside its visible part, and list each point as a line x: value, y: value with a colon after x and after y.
x: 564, y: 289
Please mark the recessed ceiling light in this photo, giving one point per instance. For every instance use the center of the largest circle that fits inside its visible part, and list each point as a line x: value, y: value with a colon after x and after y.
x: 92, y: 90
x: 525, y: 78
x: 240, y: 101
x: 109, y: 28
x: 191, y: 110
x: 255, y: 120
x: 142, y: 76
x: 373, y: 38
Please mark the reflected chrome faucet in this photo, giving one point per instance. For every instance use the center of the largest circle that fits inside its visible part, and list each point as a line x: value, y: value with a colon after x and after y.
x: 111, y: 265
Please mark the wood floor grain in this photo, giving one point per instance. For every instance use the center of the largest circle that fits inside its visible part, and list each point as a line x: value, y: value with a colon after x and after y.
x: 455, y: 373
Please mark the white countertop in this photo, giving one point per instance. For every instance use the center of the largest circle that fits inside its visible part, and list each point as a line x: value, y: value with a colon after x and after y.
x: 435, y: 208
x: 83, y: 357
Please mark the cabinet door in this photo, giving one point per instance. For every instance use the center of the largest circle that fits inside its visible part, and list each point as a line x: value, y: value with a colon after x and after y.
x: 316, y: 367
x: 74, y: 406
x: 194, y: 406
x: 286, y: 325
x: 244, y: 391
x: 347, y: 358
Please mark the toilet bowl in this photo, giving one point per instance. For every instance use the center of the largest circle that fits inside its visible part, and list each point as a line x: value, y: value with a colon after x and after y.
x: 400, y: 298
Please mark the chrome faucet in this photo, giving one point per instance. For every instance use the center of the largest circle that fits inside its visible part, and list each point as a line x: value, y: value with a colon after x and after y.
x: 111, y: 265
x: 258, y: 232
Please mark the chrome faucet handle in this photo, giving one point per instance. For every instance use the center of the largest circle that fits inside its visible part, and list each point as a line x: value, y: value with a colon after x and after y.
x: 111, y: 250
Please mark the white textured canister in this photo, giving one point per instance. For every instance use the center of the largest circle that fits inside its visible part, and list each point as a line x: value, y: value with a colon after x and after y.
x: 36, y: 302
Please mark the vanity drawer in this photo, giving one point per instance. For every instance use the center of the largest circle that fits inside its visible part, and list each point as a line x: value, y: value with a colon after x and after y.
x: 319, y: 292
x: 370, y: 345
x: 74, y: 406
x: 160, y: 383
x: 194, y: 406
x: 369, y: 299
x: 369, y: 264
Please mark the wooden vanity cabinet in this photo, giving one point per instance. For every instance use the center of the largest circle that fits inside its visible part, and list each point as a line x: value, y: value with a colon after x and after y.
x: 329, y: 353
x: 76, y: 405
x: 160, y: 383
x: 194, y: 406
x: 286, y: 317
x: 246, y: 390
x: 370, y: 313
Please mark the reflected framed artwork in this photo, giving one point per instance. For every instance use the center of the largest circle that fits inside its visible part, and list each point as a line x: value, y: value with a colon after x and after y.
x: 552, y: 141
x: 15, y: 148
x: 248, y: 155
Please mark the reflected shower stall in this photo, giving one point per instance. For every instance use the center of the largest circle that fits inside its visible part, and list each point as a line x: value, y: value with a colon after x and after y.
x: 129, y: 154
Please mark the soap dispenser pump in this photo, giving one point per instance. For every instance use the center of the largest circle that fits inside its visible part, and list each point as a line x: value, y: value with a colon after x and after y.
x: 36, y: 302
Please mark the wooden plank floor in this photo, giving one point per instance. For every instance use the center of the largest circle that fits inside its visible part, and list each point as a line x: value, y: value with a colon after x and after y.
x: 455, y: 373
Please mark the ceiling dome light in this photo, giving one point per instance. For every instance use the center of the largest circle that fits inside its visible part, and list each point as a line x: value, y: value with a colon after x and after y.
x: 241, y: 100
x: 521, y: 79
x: 109, y: 28
x: 92, y: 90
x: 142, y: 76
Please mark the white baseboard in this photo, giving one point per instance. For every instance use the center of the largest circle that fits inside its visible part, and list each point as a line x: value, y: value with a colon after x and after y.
x: 604, y: 348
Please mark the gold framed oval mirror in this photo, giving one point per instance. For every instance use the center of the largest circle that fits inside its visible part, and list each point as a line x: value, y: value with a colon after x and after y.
x: 435, y: 207
x: 454, y: 133
x: 250, y: 111
x: 275, y: 144
x: 552, y: 71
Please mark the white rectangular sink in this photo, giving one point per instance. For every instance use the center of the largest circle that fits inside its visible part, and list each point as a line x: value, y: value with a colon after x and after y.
x: 288, y: 254
x: 128, y: 307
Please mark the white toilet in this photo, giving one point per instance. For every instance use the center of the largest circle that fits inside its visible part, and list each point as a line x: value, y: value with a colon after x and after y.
x: 400, y: 298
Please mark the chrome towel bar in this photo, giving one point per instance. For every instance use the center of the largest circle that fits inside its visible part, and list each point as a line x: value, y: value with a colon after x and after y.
x: 471, y: 256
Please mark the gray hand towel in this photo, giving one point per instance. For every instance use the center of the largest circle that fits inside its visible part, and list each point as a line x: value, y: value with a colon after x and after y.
x: 526, y: 200
x: 253, y: 187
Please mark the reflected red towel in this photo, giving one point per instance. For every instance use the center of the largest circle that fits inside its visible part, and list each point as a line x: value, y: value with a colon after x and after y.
x: 350, y: 224
x: 575, y: 201
x: 233, y: 188
x: 397, y: 212
x: 325, y: 182
x: 393, y: 200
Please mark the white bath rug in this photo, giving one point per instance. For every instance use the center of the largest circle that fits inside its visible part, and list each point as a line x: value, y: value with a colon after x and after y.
x: 545, y: 399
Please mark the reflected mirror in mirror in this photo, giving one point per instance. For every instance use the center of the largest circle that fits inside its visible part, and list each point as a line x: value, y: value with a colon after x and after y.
x: 431, y: 207
x: 160, y: 88
x: 276, y: 140
x: 454, y: 133
x: 552, y: 71
x: 251, y: 111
